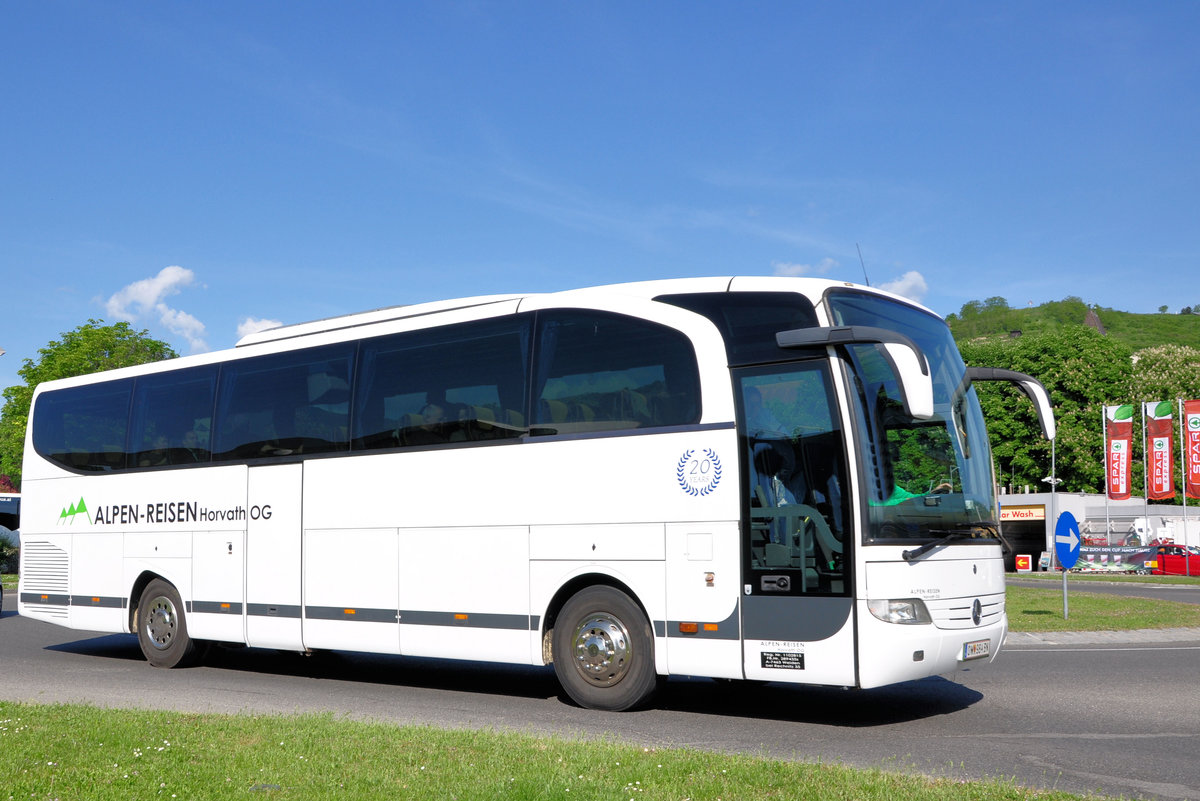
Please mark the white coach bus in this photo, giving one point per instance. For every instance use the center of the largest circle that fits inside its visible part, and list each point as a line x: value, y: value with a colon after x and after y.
x: 763, y: 478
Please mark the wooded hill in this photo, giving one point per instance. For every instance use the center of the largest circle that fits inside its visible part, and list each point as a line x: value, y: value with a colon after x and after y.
x: 1088, y: 358
x: 994, y: 318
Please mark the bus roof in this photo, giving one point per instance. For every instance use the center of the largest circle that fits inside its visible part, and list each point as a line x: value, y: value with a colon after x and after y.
x: 356, y: 319
x: 812, y: 287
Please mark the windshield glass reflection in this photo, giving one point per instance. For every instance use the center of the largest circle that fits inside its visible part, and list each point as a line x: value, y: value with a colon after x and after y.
x: 923, y: 478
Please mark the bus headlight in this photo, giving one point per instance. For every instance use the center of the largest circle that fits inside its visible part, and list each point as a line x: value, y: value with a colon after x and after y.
x: 908, y: 610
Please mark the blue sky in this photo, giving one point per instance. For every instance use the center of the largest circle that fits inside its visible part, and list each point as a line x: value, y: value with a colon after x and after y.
x: 195, y: 167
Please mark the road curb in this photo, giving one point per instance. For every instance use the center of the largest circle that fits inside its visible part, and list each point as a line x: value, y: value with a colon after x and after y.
x: 1137, y: 636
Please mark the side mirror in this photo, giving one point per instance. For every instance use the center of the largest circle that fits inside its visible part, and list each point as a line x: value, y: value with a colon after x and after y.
x: 907, y: 361
x: 912, y: 373
x: 1029, y: 385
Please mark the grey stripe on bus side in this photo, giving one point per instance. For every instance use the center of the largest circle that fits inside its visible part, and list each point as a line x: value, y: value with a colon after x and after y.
x: 726, y: 630
x: 99, y: 601
x: 476, y: 620
x: 358, y: 614
x: 45, y: 598
x: 217, y: 607
x: 273, y: 610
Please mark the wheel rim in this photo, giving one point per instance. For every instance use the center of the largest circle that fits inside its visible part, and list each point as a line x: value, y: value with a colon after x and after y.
x: 162, y: 622
x: 602, y: 650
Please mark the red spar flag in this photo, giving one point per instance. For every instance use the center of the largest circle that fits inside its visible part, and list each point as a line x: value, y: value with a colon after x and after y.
x: 1191, y: 434
x: 1119, y: 442
x: 1160, y: 450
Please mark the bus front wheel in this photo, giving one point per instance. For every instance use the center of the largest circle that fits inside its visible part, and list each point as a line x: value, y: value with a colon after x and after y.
x: 604, y: 651
x: 162, y: 627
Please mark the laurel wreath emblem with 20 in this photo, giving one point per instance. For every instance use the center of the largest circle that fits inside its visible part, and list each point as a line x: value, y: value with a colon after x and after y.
x: 699, y: 474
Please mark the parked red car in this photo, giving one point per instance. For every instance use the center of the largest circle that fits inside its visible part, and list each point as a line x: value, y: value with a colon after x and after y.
x: 1173, y: 560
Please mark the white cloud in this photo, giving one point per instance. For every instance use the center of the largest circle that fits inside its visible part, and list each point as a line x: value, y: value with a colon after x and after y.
x: 791, y: 269
x: 252, y: 325
x: 911, y: 285
x: 183, y: 324
x: 148, y: 298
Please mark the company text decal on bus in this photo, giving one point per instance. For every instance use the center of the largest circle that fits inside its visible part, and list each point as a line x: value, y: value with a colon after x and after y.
x: 159, y: 512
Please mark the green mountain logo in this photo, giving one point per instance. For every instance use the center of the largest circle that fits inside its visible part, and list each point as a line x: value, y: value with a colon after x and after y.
x: 69, y: 513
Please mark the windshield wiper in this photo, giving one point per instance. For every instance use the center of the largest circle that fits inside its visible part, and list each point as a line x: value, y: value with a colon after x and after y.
x: 983, y: 530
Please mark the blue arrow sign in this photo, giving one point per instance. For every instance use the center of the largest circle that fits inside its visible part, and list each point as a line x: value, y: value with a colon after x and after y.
x: 1066, y: 540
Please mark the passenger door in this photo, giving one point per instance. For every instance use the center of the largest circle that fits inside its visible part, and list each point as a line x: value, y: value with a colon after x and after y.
x: 797, y: 552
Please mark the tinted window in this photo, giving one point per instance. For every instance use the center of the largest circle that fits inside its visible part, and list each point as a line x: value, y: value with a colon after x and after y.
x: 598, y: 372
x: 285, y: 404
x: 172, y: 417
x: 83, y: 428
x: 462, y: 383
x: 749, y: 321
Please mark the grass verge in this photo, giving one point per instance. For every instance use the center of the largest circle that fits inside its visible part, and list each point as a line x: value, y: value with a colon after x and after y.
x: 83, y: 752
x: 1105, y: 578
x: 1034, y: 609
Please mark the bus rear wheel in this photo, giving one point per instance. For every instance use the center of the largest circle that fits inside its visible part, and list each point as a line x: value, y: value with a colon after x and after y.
x: 604, y: 651
x: 162, y: 627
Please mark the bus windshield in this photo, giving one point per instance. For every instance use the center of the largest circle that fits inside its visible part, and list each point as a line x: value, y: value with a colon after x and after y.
x: 923, y: 479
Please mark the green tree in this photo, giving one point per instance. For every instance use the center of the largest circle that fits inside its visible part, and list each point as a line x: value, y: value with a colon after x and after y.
x: 1166, y: 372
x: 1071, y: 310
x: 1082, y: 370
x: 90, y: 348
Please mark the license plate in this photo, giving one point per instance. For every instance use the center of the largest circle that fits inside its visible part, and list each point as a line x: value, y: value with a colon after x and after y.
x: 976, y: 650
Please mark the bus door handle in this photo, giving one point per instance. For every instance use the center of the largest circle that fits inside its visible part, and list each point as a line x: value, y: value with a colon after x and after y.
x: 776, y: 583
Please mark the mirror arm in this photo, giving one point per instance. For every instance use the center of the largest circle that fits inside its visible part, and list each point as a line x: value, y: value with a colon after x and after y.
x: 908, y: 362
x: 1030, y: 386
x: 847, y: 335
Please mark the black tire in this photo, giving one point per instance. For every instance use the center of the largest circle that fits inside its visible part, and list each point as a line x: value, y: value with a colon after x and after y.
x: 162, y: 627
x: 603, y: 651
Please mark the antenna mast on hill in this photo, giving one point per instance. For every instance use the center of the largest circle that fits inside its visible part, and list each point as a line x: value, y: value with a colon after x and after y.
x: 866, y: 280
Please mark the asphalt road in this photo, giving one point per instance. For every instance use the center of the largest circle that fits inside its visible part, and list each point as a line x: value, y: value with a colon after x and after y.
x: 1119, y: 718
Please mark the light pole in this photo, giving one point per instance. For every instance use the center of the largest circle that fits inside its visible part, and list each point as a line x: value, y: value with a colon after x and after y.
x: 1053, y: 481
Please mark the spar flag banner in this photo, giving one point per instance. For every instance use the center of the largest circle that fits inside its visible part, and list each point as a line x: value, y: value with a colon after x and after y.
x: 1118, y: 433
x: 1160, y: 450
x: 1191, y: 439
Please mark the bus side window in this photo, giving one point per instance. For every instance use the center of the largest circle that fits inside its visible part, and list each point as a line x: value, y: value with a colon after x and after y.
x: 284, y: 404
x: 84, y: 428
x: 597, y: 372
x: 446, y: 386
x: 171, y: 415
